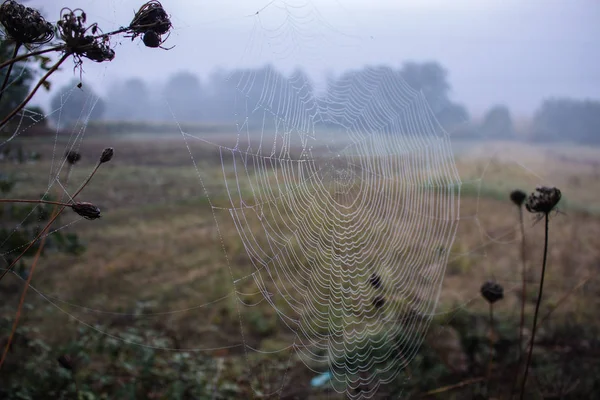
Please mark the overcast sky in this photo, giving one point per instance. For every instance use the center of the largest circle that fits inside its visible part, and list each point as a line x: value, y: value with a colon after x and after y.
x: 515, y: 52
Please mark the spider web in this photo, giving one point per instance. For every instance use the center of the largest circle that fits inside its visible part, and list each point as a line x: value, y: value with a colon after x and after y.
x: 346, y: 202
x: 342, y: 203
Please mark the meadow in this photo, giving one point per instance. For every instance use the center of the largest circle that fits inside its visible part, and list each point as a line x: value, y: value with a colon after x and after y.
x: 155, y: 273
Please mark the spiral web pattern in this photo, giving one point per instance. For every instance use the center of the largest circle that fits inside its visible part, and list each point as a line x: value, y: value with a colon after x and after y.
x: 343, y: 205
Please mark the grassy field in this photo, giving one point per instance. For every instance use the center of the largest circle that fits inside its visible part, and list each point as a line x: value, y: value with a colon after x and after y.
x: 164, y: 257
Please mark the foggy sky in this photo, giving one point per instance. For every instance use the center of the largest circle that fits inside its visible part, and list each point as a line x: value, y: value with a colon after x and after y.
x: 515, y: 52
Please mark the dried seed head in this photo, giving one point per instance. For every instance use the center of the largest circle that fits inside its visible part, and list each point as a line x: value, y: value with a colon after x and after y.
x: 492, y: 292
x: 66, y: 362
x: 151, y: 22
x: 151, y: 39
x: 74, y: 33
x: 25, y: 25
x: 379, y: 301
x: 151, y: 17
x: 518, y: 197
x: 86, y: 210
x: 107, y: 155
x: 72, y: 157
x: 543, y: 200
x: 375, y: 280
x: 99, y: 52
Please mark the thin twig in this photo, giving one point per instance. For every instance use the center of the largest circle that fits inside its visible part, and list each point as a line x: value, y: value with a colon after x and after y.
x: 11, y: 266
x: 35, y: 89
x: 56, y: 203
x: 454, y: 386
x: 523, y: 299
x: 32, y: 54
x: 490, y: 363
x: 10, y: 67
x: 23, y: 295
x: 537, y: 307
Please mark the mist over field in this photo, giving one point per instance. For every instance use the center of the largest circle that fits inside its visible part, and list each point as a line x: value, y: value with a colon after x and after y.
x: 512, y: 53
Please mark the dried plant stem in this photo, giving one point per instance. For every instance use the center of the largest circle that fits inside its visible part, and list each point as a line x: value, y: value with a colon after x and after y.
x: 523, y: 298
x: 524, y: 282
x: 35, y: 89
x: 56, y: 203
x: 491, y: 361
x: 32, y: 54
x: 10, y: 67
x: 537, y: 306
x: 454, y: 386
x: 11, y: 266
x: 24, y: 293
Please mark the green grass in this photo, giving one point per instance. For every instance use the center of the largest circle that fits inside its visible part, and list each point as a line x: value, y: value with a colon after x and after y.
x: 157, y: 243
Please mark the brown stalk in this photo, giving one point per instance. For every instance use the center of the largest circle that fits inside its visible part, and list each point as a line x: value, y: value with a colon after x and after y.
x: 452, y: 387
x: 10, y: 67
x: 35, y: 89
x: 56, y: 203
x: 24, y: 293
x: 11, y: 266
x: 537, y: 306
x: 32, y: 54
x: 523, y: 298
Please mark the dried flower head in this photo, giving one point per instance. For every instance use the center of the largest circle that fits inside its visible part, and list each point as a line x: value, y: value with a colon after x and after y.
x: 379, y: 301
x: 73, y: 31
x: 492, y: 291
x: 72, y: 157
x: 66, y: 362
x: 25, y: 25
x: 100, y: 51
x: 151, y: 39
x: 375, y: 280
x: 151, y: 22
x: 543, y: 200
x: 107, y: 155
x: 86, y: 210
x: 518, y: 197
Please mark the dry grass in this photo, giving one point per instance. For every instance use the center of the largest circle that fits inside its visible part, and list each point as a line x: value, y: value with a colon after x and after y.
x: 157, y: 242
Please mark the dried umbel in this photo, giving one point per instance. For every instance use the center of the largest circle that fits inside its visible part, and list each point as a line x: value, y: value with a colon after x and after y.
x: 72, y: 157
x: 151, y: 17
x: 492, y: 292
x: 25, y: 25
x: 543, y: 200
x: 107, y: 155
x: 151, y: 22
x: 86, y: 210
x: 151, y: 39
x: 518, y: 197
x: 74, y: 33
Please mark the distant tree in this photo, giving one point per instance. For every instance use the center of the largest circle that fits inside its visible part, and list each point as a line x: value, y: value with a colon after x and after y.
x: 72, y: 104
x: 252, y: 96
x: 183, y: 92
x: 431, y: 79
x: 567, y: 120
x: 497, y: 123
x: 19, y: 81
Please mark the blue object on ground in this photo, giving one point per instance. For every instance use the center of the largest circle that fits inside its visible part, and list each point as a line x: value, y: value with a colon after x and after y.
x: 320, y: 380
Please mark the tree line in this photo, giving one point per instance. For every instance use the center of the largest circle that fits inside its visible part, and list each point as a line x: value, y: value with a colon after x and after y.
x: 239, y: 95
